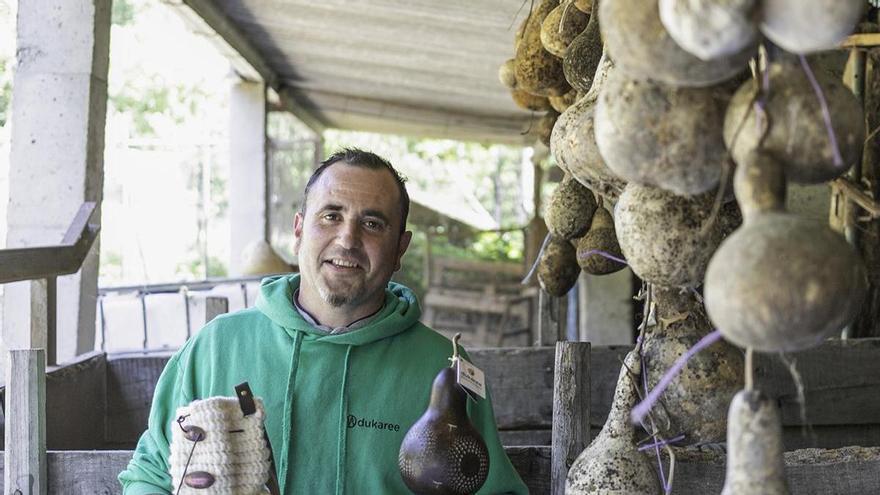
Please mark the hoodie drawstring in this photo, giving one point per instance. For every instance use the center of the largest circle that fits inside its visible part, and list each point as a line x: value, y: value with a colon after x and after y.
x: 288, y: 413
x: 343, y: 429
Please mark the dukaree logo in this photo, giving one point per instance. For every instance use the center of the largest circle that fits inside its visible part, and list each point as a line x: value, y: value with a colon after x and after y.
x: 356, y: 422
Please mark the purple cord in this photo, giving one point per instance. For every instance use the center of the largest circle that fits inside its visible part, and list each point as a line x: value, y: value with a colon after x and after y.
x: 826, y: 113
x: 661, y: 443
x: 641, y: 410
x: 603, y: 254
x: 667, y: 487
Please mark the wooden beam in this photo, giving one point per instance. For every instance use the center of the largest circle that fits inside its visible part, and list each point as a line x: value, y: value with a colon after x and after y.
x: 571, y: 409
x: 24, y: 469
x: 861, y: 40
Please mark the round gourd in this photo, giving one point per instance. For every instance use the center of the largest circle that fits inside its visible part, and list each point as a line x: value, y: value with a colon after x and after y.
x: 659, y: 234
x: 585, y: 6
x: 695, y: 402
x: 805, y: 26
x: 536, y: 70
x: 783, y: 283
x: 639, y: 44
x: 660, y: 135
x: 561, y: 103
x: 710, y: 29
x: 558, y: 269
x: 797, y: 135
x: 600, y: 237
x: 557, y: 32
x: 570, y: 209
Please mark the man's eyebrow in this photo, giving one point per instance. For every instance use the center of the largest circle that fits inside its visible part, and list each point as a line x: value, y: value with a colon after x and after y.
x: 331, y: 207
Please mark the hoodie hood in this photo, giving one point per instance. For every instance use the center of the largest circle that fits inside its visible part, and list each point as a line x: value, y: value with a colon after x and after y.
x: 400, y: 311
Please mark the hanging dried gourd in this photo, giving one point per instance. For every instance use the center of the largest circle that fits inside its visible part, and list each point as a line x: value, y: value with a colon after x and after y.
x: 612, y: 463
x: 661, y: 235
x: 780, y: 282
x: 583, y: 55
x: 536, y: 70
x: 570, y: 209
x: 561, y: 103
x: 791, y: 123
x: 640, y: 46
x: 574, y: 146
x: 561, y: 26
x: 695, y: 402
x: 506, y: 74
x: 805, y: 26
x: 544, y: 126
x: 558, y: 269
x: 594, y: 248
x: 528, y: 101
x: 659, y: 135
x: 710, y: 29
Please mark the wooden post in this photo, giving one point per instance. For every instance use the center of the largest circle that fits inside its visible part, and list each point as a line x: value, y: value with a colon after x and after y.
x: 24, y: 465
x: 551, y: 319
x: 571, y: 410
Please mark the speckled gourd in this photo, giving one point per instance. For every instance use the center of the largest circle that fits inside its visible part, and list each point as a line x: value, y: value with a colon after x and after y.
x: 558, y: 269
x: 561, y: 103
x: 664, y: 136
x: 780, y: 283
x: 528, y: 101
x: 573, y: 142
x: 805, y: 26
x: 570, y: 209
x: 536, y: 70
x: 639, y: 44
x: 696, y: 401
x: 755, y: 465
x: 710, y: 29
x: 600, y: 239
x: 583, y: 55
x: 561, y: 27
x: 797, y: 136
x: 612, y: 464
x: 660, y: 235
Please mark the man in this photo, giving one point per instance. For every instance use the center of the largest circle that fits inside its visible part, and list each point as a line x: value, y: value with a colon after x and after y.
x: 337, y: 353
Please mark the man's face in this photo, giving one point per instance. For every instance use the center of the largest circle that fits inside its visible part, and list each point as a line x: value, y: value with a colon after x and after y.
x: 348, y: 241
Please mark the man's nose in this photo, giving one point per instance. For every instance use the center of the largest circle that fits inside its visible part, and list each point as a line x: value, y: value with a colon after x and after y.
x: 349, y: 235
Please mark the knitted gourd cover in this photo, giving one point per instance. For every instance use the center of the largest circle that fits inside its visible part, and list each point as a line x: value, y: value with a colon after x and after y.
x: 233, y: 450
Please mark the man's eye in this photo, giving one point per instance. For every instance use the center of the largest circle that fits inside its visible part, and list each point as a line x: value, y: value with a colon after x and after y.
x: 373, y: 225
x: 331, y: 216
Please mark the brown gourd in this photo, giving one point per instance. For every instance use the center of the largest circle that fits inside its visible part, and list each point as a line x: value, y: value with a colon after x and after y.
x: 536, y: 70
x: 780, y: 283
x: 585, y: 6
x: 558, y: 269
x: 570, y: 209
x: 506, y: 75
x: 755, y: 465
x: 660, y: 135
x: 561, y: 103
x: 528, y: 101
x: 612, y: 464
x: 695, y: 402
x: 796, y: 135
x: 640, y: 46
x: 544, y: 127
x: 600, y: 239
x: 561, y: 26
x: 437, y: 459
x: 710, y: 29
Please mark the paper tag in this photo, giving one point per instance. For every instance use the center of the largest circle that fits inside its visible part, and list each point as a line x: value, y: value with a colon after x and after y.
x: 471, y: 378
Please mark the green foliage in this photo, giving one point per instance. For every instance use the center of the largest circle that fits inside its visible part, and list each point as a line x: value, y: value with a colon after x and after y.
x: 5, y: 91
x: 123, y: 13
x: 194, y: 268
x: 154, y: 100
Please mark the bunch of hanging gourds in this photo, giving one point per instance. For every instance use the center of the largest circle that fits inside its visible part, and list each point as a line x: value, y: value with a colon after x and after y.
x: 662, y: 115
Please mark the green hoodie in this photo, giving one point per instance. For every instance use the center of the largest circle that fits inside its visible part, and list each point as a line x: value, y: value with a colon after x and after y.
x: 337, y: 406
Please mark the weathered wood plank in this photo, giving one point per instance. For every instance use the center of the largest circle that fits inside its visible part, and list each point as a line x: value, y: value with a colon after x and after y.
x: 25, y: 468
x: 571, y: 409
x: 73, y: 472
x: 130, y: 386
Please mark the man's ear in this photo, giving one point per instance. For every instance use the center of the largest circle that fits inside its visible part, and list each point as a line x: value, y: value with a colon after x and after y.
x: 297, y: 231
x: 402, y: 246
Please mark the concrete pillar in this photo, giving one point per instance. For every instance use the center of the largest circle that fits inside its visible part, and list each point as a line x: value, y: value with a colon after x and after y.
x: 248, y: 170
x: 59, y: 103
x: 606, y: 307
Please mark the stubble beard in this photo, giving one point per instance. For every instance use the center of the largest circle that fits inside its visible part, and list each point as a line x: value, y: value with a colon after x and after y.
x: 338, y: 297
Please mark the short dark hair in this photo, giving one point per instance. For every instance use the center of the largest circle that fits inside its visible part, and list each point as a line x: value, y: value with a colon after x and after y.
x: 360, y: 158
